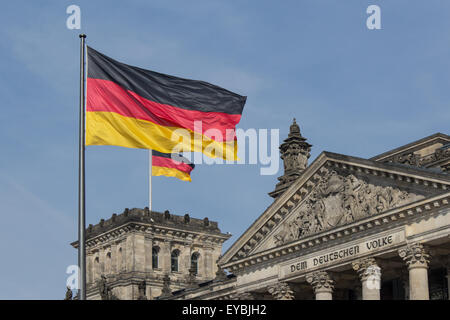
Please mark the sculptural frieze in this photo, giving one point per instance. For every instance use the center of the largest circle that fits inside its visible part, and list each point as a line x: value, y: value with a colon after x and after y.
x: 339, y: 199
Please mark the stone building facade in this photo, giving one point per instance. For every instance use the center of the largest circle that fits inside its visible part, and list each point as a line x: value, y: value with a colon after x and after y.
x: 345, y: 228
x: 341, y: 227
x: 143, y: 254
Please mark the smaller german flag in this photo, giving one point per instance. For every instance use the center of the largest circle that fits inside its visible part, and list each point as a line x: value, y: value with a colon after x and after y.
x: 171, y: 165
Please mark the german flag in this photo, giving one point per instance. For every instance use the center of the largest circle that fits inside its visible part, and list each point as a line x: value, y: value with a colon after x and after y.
x: 131, y: 107
x: 171, y: 165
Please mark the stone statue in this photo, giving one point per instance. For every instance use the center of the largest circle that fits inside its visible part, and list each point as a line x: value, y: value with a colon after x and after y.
x: 166, y: 292
x: 104, y: 290
x: 69, y: 294
x: 141, y: 287
x: 220, y: 274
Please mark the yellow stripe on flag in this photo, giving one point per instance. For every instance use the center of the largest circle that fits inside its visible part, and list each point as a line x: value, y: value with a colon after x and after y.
x: 108, y: 128
x: 170, y: 172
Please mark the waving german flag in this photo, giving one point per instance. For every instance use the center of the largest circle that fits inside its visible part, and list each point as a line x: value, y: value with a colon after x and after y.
x: 171, y: 165
x: 136, y: 108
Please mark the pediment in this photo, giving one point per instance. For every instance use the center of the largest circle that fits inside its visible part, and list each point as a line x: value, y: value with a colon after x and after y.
x: 335, y: 190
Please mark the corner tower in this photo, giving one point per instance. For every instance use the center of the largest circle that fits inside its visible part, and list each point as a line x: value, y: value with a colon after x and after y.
x: 294, y: 152
x: 142, y: 254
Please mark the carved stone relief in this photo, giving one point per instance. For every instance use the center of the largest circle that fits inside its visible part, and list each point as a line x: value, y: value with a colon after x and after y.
x: 413, y: 159
x: 338, y: 200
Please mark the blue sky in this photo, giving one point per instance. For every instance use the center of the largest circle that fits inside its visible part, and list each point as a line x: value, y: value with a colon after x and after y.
x: 353, y: 91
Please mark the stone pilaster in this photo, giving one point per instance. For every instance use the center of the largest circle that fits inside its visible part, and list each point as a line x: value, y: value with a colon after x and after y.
x: 114, y: 256
x: 129, y: 253
x: 370, y: 275
x: 206, y: 265
x: 148, y: 244
x: 166, y: 249
x: 417, y: 259
x: 322, y: 285
x: 139, y: 252
x: 121, y: 250
x: 89, y: 268
x: 281, y: 291
x: 102, y: 258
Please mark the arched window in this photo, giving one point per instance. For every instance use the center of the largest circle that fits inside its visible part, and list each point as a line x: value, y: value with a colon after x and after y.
x: 155, y: 253
x: 194, y: 262
x: 174, y: 260
x: 120, y: 260
x: 97, y: 270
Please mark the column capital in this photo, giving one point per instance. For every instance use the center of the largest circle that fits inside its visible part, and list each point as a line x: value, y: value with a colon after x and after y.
x: 320, y: 281
x: 367, y: 268
x: 281, y: 291
x: 415, y: 255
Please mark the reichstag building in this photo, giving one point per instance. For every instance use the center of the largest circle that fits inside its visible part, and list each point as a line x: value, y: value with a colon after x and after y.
x: 341, y: 227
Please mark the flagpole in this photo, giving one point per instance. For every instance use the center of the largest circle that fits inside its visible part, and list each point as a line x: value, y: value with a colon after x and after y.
x: 81, y: 180
x: 150, y: 154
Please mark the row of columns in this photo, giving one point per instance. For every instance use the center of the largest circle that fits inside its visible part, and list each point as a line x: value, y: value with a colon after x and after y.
x: 415, y: 256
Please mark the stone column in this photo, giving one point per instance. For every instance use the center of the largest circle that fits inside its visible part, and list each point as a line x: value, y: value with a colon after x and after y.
x: 370, y: 275
x: 281, y: 291
x: 417, y: 259
x: 322, y: 285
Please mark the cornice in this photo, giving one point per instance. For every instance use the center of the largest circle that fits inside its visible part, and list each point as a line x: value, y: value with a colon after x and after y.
x: 413, y: 145
x: 153, y: 230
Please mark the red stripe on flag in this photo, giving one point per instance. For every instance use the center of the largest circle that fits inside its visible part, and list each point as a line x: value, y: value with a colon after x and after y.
x: 107, y: 96
x: 169, y: 163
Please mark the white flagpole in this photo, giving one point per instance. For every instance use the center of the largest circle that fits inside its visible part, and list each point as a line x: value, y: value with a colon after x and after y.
x: 150, y: 179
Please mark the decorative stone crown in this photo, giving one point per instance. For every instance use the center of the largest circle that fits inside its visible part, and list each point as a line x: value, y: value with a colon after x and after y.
x: 295, y: 152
